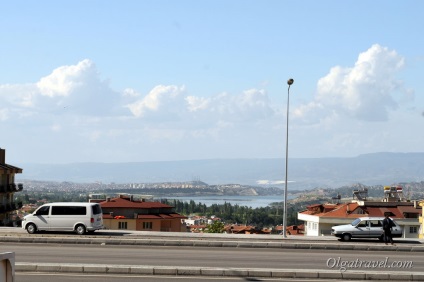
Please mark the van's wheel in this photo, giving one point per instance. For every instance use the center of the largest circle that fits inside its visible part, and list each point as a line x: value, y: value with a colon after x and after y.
x: 31, y: 228
x: 381, y: 238
x: 346, y: 237
x: 80, y: 229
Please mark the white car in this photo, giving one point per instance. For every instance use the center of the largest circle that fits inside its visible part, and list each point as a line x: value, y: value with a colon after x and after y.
x: 365, y: 227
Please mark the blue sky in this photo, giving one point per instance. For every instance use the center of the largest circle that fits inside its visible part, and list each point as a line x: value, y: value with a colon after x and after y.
x: 125, y: 81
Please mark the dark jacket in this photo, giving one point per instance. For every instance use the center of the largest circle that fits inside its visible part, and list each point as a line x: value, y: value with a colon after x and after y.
x: 388, y: 224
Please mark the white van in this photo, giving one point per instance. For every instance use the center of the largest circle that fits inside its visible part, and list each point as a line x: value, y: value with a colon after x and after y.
x: 78, y: 217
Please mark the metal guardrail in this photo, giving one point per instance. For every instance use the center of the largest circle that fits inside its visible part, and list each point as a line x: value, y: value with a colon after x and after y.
x: 7, y: 267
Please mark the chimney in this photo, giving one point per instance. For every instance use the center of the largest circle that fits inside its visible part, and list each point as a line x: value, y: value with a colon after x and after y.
x: 2, y: 156
x: 108, y: 199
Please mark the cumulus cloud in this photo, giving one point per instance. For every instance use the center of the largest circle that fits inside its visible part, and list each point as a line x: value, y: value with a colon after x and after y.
x: 161, y: 99
x: 65, y: 79
x: 367, y: 91
x: 74, y: 89
x: 250, y: 105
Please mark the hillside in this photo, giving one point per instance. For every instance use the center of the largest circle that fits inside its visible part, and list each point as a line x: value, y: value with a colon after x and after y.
x: 369, y: 169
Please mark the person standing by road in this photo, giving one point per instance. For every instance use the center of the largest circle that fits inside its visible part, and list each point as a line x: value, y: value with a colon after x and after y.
x: 387, y: 227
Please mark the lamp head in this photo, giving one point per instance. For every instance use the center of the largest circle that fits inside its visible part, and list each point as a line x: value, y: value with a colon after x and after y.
x: 290, y: 81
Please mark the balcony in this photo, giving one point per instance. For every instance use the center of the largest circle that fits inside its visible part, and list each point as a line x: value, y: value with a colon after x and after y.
x: 10, y: 207
x: 11, y: 188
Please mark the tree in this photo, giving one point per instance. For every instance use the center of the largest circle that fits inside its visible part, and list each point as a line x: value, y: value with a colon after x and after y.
x: 216, y: 227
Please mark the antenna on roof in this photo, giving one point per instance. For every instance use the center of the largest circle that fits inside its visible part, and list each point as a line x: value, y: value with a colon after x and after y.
x: 361, y: 195
x: 337, y: 198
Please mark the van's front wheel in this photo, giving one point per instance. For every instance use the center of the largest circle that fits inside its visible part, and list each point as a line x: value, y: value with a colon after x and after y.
x: 31, y: 228
x: 80, y: 229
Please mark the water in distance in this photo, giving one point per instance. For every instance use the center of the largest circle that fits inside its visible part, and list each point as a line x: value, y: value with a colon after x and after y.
x: 249, y: 201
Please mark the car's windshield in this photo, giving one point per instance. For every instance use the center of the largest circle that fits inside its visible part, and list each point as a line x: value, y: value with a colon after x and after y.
x: 355, y: 222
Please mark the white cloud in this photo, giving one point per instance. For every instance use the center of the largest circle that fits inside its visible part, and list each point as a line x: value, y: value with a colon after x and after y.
x: 163, y: 99
x: 197, y: 103
x: 18, y: 96
x: 252, y: 104
x: 170, y: 122
x: 75, y: 89
x: 63, y: 80
x: 129, y: 92
x: 367, y: 91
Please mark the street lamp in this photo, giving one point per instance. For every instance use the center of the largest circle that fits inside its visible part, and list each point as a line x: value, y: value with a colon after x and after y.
x: 289, y: 82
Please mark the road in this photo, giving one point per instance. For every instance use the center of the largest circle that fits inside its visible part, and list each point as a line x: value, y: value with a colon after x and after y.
x: 48, y: 277
x: 203, y: 256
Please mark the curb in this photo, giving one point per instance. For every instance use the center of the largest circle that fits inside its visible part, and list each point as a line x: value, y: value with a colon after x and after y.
x: 219, y: 272
x: 213, y: 243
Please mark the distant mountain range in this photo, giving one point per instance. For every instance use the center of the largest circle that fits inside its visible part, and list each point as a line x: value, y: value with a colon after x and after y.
x: 303, y: 173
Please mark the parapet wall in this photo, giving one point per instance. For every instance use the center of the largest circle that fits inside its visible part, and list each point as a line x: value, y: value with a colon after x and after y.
x: 7, y: 267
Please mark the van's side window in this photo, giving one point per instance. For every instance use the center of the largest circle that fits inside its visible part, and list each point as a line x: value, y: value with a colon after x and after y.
x: 68, y: 210
x: 43, y: 210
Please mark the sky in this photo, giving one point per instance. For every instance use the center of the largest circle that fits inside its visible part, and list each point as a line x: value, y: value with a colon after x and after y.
x: 135, y: 81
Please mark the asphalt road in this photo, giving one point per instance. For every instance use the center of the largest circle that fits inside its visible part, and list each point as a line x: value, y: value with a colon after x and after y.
x: 205, y: 257
x: 49, y: 277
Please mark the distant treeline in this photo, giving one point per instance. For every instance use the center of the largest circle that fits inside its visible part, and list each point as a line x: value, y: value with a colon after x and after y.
x: 236, y: 214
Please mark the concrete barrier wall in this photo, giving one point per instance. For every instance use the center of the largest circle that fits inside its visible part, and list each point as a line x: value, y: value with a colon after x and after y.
x: 7, y: 267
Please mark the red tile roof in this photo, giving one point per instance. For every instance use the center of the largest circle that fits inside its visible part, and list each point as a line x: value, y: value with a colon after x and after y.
x: 353, y: 210
x: 409, y: 209
x: 343, y: 210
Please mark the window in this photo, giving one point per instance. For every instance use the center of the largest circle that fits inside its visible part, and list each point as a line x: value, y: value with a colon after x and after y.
x: 43, y: 210
x: 147, y: 225
x: 363, y: 224
x: 376, y: 223
x: 96, y: 209
x: 69, y: 210
x: 412, y: 229
x: 122, y: 225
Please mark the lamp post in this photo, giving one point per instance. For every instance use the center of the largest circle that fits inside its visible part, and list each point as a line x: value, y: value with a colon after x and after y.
x: 289, y: 82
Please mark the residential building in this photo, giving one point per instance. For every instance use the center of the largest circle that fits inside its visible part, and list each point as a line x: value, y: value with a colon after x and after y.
x: 126, y: 212
x: 320, y: 218
x: 8, y: 188
x: 421, y: 229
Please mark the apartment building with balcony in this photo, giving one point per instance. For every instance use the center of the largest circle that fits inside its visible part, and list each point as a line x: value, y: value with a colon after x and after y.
x: 8, y: 188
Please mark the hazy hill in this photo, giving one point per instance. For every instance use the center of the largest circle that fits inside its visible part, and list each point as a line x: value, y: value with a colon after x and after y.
x: 369, y: 169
